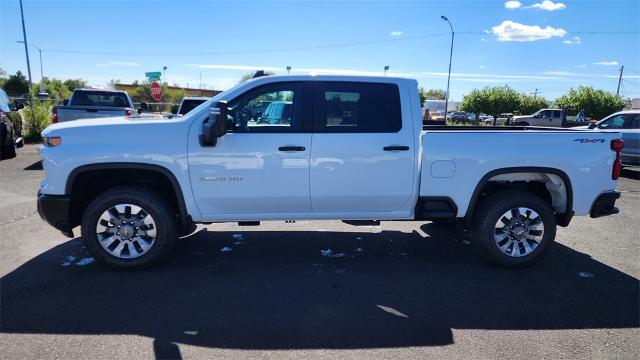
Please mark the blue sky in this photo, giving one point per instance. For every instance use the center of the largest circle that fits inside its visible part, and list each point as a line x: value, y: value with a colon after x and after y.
x: 543, y: 44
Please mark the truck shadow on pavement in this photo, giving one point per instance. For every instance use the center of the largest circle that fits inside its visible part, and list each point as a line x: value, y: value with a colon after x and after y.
x: 276, y: 290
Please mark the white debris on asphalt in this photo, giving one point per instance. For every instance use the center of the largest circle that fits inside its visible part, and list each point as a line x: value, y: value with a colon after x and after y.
x: 191, y: 332
x: 238, y: 239
x: 226, y: 249
x: 69, y: 260
x: 466, y: 242
x: 85, y: 261
x: 586, y: 275
x: 330, y: 253
x: 392, y: 311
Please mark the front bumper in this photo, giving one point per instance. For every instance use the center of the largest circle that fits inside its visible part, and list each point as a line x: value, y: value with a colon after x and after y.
x: 55, y: 210
x: 605, y: 205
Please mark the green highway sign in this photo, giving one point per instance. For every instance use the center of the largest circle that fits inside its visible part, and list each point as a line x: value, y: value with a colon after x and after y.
x: 154, y: 75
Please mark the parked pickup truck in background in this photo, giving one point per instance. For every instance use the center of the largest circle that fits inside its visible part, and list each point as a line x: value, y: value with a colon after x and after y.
x: 350, y: 148
x: 628, y: 123
x: 542, y: 117
x: 89, y: 104
x: 189, y: 103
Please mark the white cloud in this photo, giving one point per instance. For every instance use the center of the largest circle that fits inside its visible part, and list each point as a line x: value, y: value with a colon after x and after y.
x: 119, y: 63
x: 513, y: 31
x: 396, y: 33
x: 512, y: 5
x: 484, y: 40
x: 581, y: 66
x: 482, y: 66
x: 548, y: 5
x: 558, y: 72
x: 606, y: 63
x: 575, y: 41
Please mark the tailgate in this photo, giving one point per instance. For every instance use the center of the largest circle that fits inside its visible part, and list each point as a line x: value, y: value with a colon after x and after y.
x: 69, y: 113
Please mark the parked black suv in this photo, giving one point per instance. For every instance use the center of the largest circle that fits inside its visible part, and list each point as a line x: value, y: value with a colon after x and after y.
x: 10, y: 127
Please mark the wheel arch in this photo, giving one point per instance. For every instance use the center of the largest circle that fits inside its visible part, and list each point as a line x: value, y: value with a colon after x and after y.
x: 563, y: 218
x: 158, y: 171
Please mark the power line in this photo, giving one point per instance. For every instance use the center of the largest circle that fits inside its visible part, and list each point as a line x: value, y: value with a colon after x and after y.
x: 633, y: 71
x: 317, y: 47
x: 629, y: 82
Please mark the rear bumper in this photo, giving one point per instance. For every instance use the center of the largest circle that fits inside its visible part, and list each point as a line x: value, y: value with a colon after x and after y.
x: 55, y: 210
x: 605, y: 205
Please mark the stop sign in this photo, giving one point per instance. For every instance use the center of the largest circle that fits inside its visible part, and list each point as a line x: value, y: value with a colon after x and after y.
x: 156, y: 91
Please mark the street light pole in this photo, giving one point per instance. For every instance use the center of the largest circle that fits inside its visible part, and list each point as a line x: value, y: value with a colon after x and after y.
x: 386, y: 68
x: 446, y: 99
x: 164, y: 76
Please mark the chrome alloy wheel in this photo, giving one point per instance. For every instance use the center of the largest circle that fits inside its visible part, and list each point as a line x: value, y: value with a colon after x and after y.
x: 126, y: 231
x: 518, y: 232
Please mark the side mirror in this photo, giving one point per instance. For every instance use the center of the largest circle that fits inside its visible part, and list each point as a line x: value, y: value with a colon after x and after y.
x: 65, y: 102
x: 174, y: 109
x: 592, y: 125
x: 216, y: 124
x: 19, y: 142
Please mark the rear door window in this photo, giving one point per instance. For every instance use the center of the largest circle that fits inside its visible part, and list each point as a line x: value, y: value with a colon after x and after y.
x: 357, y: 107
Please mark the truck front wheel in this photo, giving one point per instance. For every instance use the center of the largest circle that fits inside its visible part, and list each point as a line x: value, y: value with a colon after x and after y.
x: 514, y: 228
x: 129, y: 227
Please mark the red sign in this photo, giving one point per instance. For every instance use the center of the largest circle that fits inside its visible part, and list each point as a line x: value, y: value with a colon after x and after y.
x: 156, y: 90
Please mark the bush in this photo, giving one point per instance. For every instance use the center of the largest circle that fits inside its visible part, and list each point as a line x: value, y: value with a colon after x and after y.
x: 36, y: 120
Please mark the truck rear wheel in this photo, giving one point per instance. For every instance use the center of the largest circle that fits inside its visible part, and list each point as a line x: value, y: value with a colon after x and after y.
x: 129, y: 227
x: 514, y: 228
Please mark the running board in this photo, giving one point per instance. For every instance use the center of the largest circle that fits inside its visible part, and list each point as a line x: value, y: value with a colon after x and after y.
x: 362, y: 222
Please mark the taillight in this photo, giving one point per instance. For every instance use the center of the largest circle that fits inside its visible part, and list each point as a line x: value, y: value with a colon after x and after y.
x: 617, y: 145
x: 127, y: 113
x: 54, y: 115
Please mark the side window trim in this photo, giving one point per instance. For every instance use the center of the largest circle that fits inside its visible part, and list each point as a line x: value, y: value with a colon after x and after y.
x: 319, y: 112
x: 298, y: 126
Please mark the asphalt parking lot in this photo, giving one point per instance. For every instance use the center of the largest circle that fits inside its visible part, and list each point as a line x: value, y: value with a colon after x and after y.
x: 316, y: 289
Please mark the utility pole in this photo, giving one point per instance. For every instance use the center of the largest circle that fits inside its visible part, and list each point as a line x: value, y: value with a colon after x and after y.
x: 26, y: 51
x: 446, y: 99
x: 535, y: 94
x: 620, y: 80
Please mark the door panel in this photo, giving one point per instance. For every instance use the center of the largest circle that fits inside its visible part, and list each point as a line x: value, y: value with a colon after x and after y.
x: 248, y: 174
x: 350, y: 169
x: 261, y: 165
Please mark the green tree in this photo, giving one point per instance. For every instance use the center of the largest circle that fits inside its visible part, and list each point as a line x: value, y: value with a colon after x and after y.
x: 491, y: 100
x: 37, y: 117
x: 2, y: 77
x: 431, y: 94
x: 73, y: 84
x: 249, y: 76
x: 54, y: 87
x: 16, y: 85
x: 529, y: 104
x: 595, y: 103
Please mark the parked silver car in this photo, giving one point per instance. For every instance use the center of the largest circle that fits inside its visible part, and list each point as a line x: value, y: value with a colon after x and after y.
x: 628, y: 123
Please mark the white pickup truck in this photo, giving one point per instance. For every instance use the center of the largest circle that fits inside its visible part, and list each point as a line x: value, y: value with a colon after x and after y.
x: 343, y: 147
x: 92, y: 103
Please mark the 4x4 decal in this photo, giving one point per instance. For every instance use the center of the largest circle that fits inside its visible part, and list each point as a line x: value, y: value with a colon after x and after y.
x: 586, y: 141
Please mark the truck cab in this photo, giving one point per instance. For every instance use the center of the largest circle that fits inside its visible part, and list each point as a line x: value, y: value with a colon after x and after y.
x: 542, y: 117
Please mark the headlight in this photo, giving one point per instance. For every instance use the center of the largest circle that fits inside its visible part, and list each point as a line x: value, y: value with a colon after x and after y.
x: 51, y: 141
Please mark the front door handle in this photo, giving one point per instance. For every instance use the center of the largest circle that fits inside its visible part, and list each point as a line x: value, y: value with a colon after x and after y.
x: 291, y: 148
x: 396, y: 148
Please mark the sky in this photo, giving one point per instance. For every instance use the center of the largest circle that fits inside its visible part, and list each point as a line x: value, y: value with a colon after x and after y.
x: 546, y: 45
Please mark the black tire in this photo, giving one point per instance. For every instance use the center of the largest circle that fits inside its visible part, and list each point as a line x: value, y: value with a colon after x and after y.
x: 491, y: 210
x: 8, y: 151
x: 152, y: 203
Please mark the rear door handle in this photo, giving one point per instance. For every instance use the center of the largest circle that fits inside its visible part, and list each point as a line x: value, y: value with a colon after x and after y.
x: 396, y: 148
x: 291, y: 148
